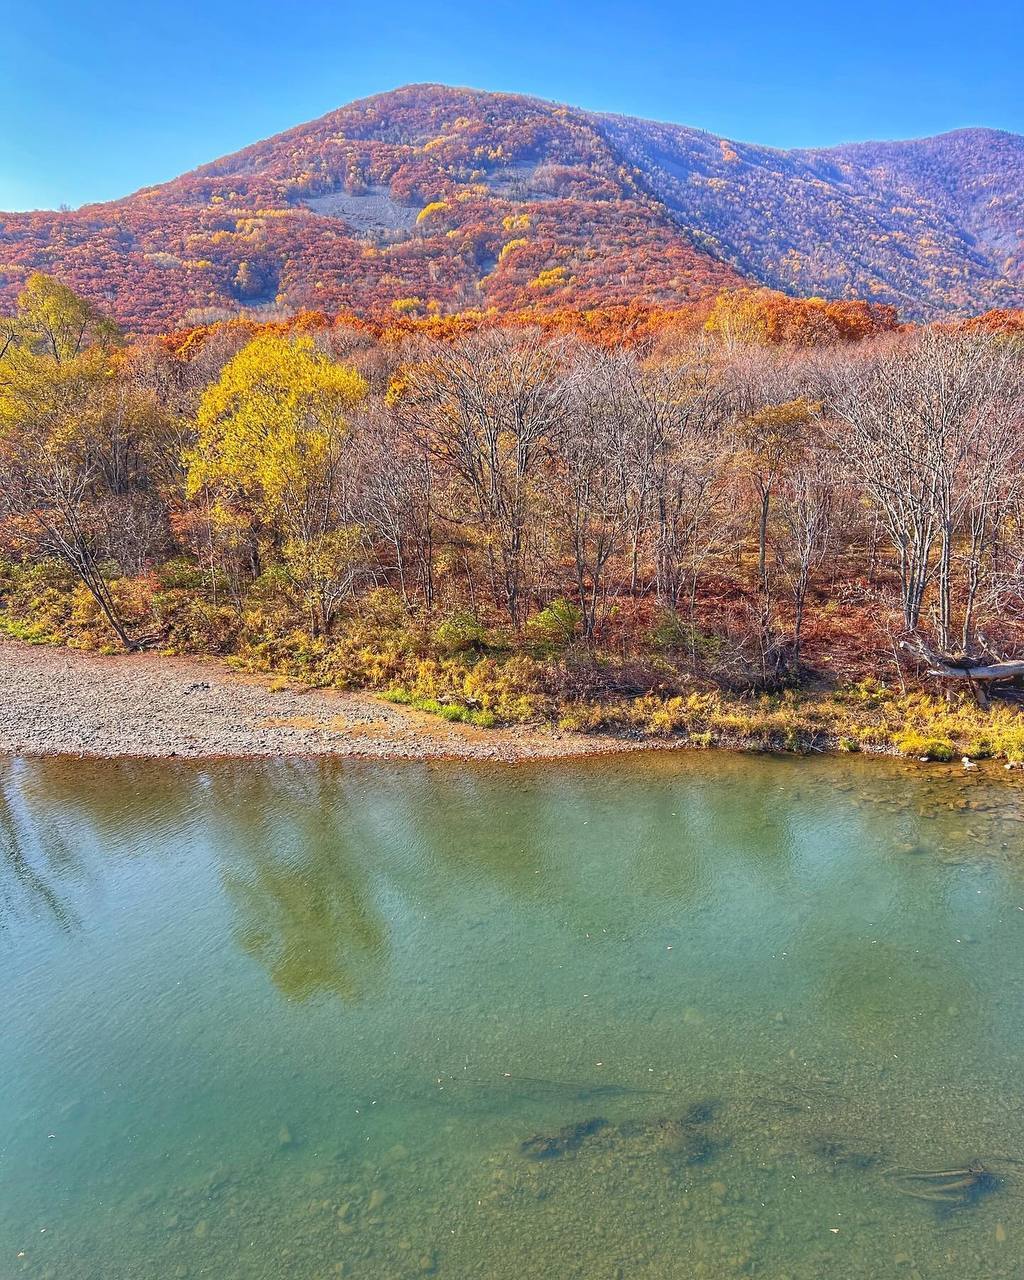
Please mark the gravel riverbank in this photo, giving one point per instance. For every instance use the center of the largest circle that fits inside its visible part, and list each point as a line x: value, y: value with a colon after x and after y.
x: 56, y: 701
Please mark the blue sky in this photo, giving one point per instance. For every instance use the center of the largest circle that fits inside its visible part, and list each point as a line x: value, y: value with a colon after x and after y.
x: 98, y: 99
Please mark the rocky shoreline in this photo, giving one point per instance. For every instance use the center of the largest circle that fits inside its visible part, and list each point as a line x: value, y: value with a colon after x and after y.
x: 63, y: 702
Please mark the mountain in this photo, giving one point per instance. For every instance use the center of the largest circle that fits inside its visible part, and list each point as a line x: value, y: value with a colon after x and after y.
x: 933, y: 226
x: 436, y: 199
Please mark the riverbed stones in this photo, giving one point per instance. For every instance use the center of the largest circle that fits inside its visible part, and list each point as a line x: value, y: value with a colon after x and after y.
x: 150, y: 706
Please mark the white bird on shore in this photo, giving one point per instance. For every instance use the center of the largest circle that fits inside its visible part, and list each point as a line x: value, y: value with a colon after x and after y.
x: 968, y: 763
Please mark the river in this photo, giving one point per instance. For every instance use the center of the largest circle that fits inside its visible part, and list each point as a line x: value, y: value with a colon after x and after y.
x: 678, y: 1015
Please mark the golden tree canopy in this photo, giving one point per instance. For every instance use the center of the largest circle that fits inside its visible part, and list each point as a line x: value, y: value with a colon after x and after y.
x: 271, y: 424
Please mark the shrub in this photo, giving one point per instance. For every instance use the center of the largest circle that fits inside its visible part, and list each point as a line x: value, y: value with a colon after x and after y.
x: 52, y: 573
x: 450, y: 711
x: 1007, y: 729
x: 182, y: 575
x: 673, y: 634
x: 669, y: 631
x: 401, y: 697
x: 294, y: 654
x: 192, y: 625
x: 556, y: 626
x: 460, y: 633
x: 659, y: 716
x: 31, y: 632
x: 912, y: 743
x: 510, y: 690
x: 583, y: 717
x: 384, y: 608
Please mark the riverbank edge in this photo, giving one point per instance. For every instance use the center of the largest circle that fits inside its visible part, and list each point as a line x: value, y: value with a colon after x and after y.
x: 59, y: 702
x: 65, y: 703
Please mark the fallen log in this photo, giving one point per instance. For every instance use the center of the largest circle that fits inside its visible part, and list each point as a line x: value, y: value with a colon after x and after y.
x: 976, y: 671
x: 992, y: 671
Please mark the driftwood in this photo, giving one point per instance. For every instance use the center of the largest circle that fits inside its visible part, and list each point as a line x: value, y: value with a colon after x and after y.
x: 977, y: 671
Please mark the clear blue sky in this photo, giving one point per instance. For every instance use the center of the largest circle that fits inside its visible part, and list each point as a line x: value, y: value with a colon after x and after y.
x: 97, y: 99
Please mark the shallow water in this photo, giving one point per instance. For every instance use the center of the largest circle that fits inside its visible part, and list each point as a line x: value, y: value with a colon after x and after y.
x: 669, y: 1016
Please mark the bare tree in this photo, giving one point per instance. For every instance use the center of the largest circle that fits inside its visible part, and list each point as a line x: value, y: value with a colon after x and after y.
x: 483, y: 408
x: 935, y: 420
x: 806, y: 503
x: 892, y: 455
x: 393, y: 498
x: 687, y: 404
x: 587, y: 448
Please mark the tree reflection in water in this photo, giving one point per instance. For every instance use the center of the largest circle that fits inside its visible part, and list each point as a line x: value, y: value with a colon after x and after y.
x: 34, y: 858
x: 306, y: 903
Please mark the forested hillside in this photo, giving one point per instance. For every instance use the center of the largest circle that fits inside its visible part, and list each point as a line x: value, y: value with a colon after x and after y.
x: 431, y: 200
x: 934, y: 227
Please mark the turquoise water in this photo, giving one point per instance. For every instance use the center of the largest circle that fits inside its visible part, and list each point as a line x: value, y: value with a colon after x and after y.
x: 673, y: 1016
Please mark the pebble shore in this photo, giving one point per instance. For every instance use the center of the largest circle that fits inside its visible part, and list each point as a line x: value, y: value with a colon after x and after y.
x: 62, y: 702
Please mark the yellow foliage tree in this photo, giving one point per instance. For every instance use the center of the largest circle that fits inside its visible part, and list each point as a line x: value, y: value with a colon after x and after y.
x: 428, y: 210
x: 270, y: 439
x: 64, y: 417
x: 270, y: 428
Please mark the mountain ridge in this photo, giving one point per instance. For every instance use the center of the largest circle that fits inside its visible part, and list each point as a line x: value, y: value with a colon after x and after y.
x: 434, y: 199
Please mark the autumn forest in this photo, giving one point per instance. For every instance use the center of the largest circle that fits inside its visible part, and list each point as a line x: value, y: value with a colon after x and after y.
x: 730, y: 519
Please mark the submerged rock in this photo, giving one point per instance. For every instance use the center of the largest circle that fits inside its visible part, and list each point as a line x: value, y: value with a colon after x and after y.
x: 549, y: 1146
x: 838, y: 1155
x: 703, y: 1112
x: 945, y: 1189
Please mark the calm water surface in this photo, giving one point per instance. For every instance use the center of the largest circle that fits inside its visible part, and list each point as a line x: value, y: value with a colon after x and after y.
x: 698, y: 1016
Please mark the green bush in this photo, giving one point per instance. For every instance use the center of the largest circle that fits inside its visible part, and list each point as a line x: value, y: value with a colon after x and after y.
x: 180, y: 574
x: 556, y: 626
x: 673, y: 634
x: 460, y: 633
x: 452, y: 711
x: 669, y: 631
x: 31, y: 632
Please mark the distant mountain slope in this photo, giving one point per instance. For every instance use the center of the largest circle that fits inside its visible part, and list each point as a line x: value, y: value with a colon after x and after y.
x: 933, y: 226
x: 973, y: 176
x: 441, y: 199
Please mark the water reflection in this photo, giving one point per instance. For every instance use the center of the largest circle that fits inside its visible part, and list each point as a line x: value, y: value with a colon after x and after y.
x: 306, y: 910
x: 34, y: 859
x: 236, y: 988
